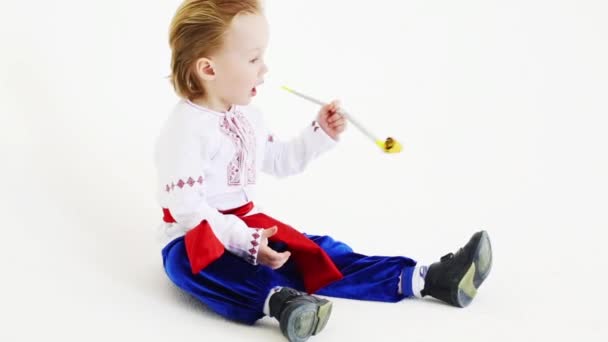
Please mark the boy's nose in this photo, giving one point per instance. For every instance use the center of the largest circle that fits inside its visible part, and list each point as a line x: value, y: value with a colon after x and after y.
x: 264, y: 69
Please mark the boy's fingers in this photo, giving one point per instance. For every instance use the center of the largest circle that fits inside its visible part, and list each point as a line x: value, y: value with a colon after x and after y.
x: 270, y: 231
x: 274, y: 256
x: 338, y: 124
x: 277, y: 260
x: 284, y: 258
x: 335, y: 118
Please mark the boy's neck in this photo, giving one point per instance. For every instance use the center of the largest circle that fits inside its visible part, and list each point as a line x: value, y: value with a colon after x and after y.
x: 214, y: 104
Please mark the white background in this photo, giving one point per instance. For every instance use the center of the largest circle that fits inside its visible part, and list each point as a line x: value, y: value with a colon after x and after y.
x: 500, y: 105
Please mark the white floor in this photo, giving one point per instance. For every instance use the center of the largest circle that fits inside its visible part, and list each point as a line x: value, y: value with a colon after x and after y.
x: 501, y: 109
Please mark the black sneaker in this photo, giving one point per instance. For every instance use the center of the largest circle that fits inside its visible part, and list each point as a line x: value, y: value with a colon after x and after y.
x: 456, y: 278
x: 300, y: 315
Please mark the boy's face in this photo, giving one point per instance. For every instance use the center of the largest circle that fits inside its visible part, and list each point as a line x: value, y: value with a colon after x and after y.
x: 239, y: 65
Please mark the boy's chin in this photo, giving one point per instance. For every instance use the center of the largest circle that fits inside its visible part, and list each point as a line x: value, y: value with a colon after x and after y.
x: 243, y: 101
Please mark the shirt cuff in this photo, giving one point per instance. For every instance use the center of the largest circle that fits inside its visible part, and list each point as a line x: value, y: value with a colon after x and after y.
x: 319, y: 139
x: 255, y: 238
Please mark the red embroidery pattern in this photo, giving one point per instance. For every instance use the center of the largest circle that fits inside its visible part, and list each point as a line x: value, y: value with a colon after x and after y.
x: 245, y: 147
x: 180, y: 183
x: 255, y: 246
x: 251, y: 148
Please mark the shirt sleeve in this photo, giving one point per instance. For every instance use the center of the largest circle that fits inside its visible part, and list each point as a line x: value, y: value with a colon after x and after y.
x: 286, y: 158
x: 184, y: 159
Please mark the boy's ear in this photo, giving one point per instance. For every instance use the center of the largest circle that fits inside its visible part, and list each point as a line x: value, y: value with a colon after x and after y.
x: 204, y: 69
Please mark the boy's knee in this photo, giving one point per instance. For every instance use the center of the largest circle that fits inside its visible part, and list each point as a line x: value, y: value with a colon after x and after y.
x: 176, y: 262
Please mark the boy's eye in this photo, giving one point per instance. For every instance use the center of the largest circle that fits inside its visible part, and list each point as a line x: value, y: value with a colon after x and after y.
x: 254, y: 60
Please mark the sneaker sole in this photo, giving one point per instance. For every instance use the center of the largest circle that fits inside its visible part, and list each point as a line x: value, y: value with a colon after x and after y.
x: 323, y: 313
x: 476, y: 273
x: 306, y: 320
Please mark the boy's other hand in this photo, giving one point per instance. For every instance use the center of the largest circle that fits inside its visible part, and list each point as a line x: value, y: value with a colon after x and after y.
x: 331, y: 121
x: 268, y: 256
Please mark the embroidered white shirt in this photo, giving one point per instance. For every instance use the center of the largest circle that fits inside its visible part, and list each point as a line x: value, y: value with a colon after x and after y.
x: 209, y: 161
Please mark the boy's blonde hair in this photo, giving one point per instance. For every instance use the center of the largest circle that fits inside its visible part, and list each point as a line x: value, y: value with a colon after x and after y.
x: 197, y: 31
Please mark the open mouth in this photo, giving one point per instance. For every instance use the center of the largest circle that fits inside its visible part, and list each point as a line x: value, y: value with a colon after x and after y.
x: 254, y: 90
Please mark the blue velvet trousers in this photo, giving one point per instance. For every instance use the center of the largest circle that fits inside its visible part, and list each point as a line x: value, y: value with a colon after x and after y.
x: 237, y: 290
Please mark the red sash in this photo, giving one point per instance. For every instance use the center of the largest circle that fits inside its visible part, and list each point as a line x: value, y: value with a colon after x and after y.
x: 315, y: 266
